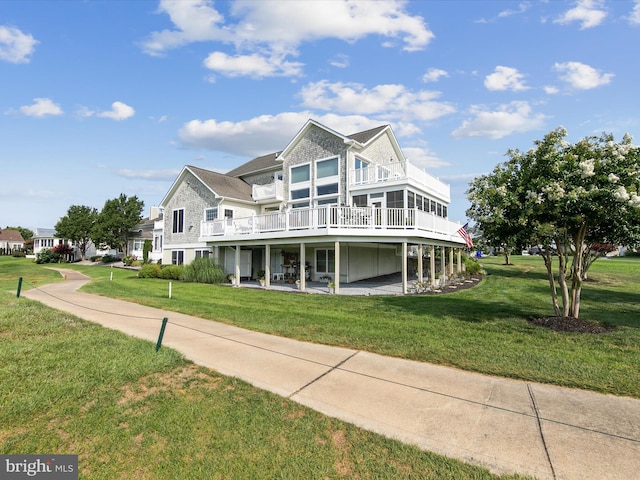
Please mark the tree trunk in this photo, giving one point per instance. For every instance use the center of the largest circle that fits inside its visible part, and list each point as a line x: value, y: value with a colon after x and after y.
x: 552, y: 286
x: 562, y: 278
x: 577, y: 270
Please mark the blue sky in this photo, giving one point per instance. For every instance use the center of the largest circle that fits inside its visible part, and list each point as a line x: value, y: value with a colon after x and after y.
x: 99, y: 98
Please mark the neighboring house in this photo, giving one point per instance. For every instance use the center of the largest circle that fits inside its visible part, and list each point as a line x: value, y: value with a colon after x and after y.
x: 10, y: 241
x: 149, y: 229
x: 45, y: 238
x: 327, y: 203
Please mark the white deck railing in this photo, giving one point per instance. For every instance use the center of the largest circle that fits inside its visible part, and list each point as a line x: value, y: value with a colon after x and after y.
x: 374, y: 174
x: 333, y: 217
x: 270, y: 191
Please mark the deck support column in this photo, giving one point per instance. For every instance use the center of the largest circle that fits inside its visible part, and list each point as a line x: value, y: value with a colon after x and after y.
x: 420, y: 253
x: 451, y: 261
x: 267, y: 265
x: 336, y: 264
x: 443, y: 265
x: 432, y: 265
x: 404, y: 268
x: 303, y: 268
x: 237, y: 267
x: 459, y: 260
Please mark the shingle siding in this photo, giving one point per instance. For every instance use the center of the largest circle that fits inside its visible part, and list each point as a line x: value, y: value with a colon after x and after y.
x: 380, y: 151
x: 192, y: 196
x: 315, y: 145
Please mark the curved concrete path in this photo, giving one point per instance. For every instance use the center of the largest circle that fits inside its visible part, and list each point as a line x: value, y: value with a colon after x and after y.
x: 505, y: 425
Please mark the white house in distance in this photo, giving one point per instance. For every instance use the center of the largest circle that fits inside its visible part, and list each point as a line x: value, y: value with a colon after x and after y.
x: 344, y: 207
x: 149, y: 228
x: 10, y: 241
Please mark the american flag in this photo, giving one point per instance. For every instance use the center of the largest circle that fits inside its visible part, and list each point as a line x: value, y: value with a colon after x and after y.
x: 464, y: 234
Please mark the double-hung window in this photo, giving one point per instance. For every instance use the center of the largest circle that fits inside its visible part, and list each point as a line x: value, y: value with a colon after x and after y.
x: 325, y: 261
x: 211, y: 214
x: 177, y: 257
x: 327, y: 178
x: 178, y: 221
x: 300, y: 185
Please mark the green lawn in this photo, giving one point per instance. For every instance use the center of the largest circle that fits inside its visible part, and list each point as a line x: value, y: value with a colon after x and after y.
x: 484, y: 329
x: 70, y: 386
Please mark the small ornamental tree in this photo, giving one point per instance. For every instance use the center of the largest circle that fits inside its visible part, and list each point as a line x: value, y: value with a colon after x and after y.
x: 146, y: 248
x: 115, y: 222
x: 77, y: 226
x: 569, y: 200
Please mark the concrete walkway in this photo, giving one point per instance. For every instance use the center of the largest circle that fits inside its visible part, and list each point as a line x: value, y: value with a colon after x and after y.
x: 505, y: 425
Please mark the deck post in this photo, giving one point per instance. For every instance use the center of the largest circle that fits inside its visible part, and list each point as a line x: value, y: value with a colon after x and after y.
x: 237, y: 267
x: 432, y: 264
x: 336, y: 264
x: 404, y: 268
x: 443, y: 265
x: 420, y: 253
x: 303, y: 261
x: 267, y: 265
x: 451, y: 261
x: 459, y: 260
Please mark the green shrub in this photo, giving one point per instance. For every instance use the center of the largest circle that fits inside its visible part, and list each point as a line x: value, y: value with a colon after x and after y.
x: 472, y: 266
x: 149, y: 271
x: 171, y: 272
x: 48, y: 256
x: 109, y: 258
x: 128, y: 260
x: 96, y: 258
x: 204, y: 270
x: 19, y: 254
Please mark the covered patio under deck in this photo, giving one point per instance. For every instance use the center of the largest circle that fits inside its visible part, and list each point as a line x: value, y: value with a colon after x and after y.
x: 426, y: 273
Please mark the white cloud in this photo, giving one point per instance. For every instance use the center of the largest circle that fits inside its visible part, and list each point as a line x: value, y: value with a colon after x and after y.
x: 515, y: 117
x: 551, y: 90
x: 634, y: 17
x: 423, y: 157
x: 340, y: 61
x: 434, y: 74
x: 41, y: 108
x: 389, y: 101
x: 119, y: 111
x: 163, y: 175
x: 15, y: 46
x: 522, y: 7
x: 587, y: 12
x: 253, y: 65
x: 505, y: 78
x: 276, y: 29
x: 265, y: 133
x: 291, y: 23
x: 195, y: 21
x: 582, y: 76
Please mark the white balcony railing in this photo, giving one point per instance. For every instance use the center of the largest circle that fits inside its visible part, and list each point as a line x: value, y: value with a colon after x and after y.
x: 374, y: 174
x: 331, y: 217
x: 271, y: 191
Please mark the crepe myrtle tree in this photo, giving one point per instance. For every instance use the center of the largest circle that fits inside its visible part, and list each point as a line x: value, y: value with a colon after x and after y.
x: 569, y: 200
x: 77, y: 226
x: 116, y: 220
x: 491, y: 195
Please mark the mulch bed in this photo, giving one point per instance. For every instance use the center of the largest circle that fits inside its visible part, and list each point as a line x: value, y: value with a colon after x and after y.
x: 570, y: 324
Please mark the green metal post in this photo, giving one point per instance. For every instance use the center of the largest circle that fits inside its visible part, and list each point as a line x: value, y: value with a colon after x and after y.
x: 164, y: 325
x: 19, y: 287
